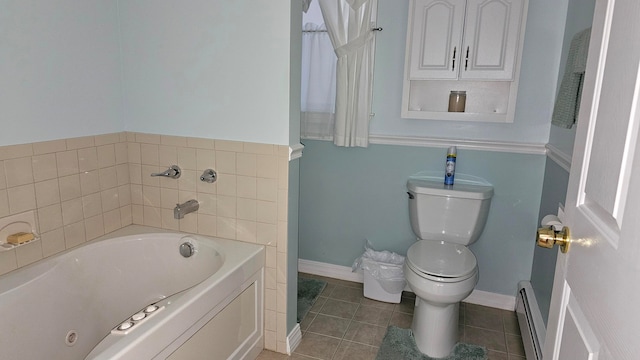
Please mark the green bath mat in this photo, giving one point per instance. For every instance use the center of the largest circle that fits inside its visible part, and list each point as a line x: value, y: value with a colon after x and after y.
x: 398, y: 344
x: 308, y: 292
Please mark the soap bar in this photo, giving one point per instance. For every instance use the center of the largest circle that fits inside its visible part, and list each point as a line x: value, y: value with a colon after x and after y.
x: 19, y: 238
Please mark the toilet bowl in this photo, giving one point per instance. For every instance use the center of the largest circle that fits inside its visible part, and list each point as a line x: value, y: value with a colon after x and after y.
x: 439, y: 267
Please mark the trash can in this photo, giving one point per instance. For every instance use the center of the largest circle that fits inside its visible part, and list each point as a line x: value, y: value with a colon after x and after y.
x: 383, y: 274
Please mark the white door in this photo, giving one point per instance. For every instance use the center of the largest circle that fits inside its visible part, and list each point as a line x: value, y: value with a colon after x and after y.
x: 595, y: 305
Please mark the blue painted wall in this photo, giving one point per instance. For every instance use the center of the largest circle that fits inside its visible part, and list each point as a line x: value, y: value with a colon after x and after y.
x: 349, y: 195
x: 554, y: 191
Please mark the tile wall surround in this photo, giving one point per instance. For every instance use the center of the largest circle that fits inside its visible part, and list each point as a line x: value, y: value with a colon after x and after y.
x: 82, y: 188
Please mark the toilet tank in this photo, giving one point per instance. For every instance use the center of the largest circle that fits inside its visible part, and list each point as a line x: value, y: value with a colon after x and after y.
x: 452, y: 213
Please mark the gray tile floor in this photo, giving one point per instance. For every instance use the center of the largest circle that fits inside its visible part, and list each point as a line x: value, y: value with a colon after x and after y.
x: 343, y: 324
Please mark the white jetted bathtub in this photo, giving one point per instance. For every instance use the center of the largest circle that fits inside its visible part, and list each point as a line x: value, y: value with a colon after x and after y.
x: 139, y: 294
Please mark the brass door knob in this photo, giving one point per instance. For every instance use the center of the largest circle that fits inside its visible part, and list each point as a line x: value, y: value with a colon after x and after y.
x: 547, y: 237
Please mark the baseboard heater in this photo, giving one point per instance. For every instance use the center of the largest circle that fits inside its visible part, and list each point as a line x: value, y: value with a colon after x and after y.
x: 530, y: 321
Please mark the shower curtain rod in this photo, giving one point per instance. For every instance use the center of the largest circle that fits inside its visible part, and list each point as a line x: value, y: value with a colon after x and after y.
x: 313, y: 31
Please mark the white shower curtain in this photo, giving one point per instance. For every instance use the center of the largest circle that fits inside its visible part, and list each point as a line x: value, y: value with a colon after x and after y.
x: 349, y: 23
x: 318, y: 93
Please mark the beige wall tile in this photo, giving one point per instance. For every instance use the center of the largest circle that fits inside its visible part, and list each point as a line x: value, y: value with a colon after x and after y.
x: 270, y: 299
x: 69, y: 187
x: 29, y: 253
x: 147, y: 138
x: 227, y: 145
x: 135, y: 173
x: 50, y: 218
x: 3, y: 179
x: 149, y: 180
x: 111, y: 221
x: 283, y: 205
x: 47, y: 192
x: 89, y: 182
x: 267, y: 166
x: 122, y: 174
x: 110, y: 200
x: 246, y: 187
x: 74, y: 234
x: 47, y: 147
x: 169, y: 221
x: 106, y: 156
x: 187, y: 181
x: 168, y: 198
x: 226, y: 206
x: 8, y: 261
x: 150, y: 154
x: 184, y: 196
x: 226, y: 227
x: 18, y: 171
x: 108, y: 178
x: 187, y: 158
x: 270, y: 278
x: 122, y: 153
x: 189, y: 223
x: 246, y: 209
x: 67, y: 162
x: 282, y: 305
x: 255, y: 148
x: 152, y: 216
x: 126, y: 215
x: 133, y: 153
x: 137, y: 214
x: 124, y: 195
x: 208, y: 204
x: 270, y: 320
x: 206, y: 188
x: 167, y: 155
x: 136, y: 195
x: 266, y: 234
x: 226, y: 184
x: 271, y: 257
x: 92, y: 205
x: 94, y: 227
x: 225, y: 162
x: 281, y: 268
x: 4, y: 203
x: 107, y: 139
x: 246, y: 230
x: 267, y: 189
x: 151, y: 196
x: 246, y: 164
x: 200, y: 143
x: 80, y: 142
x: 173, y: 140
x: 15, y: 151
x: 205, y: 159
x: 168, y: 183
x: 266, y: 211
x: 270, y: 342
x: 52, y: 242
x: 207, y: 225
x: 72, y: 211
x: 21, y: 198
x: 87, y: 159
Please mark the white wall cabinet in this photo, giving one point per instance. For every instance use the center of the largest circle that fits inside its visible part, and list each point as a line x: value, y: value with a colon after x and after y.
x: 471, y: 45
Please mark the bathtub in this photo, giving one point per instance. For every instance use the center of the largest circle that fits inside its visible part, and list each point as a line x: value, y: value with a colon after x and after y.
x: 71, y: 306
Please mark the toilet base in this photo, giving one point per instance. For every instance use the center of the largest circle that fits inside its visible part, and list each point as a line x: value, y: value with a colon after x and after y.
x: 435, y: 328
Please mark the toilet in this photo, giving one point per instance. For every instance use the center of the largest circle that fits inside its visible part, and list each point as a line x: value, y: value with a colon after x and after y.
x: 439, y: 267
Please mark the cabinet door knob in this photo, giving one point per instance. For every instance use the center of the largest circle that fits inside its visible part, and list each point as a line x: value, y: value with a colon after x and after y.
x: 453, y: 65
x: 466, y: 60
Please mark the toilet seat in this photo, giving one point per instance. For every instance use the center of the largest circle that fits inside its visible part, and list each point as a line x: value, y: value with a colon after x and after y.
x: 441, y: 261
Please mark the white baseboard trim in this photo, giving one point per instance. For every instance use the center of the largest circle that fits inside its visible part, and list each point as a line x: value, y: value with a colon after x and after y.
x: 477, y: 297
x: 293, y: 339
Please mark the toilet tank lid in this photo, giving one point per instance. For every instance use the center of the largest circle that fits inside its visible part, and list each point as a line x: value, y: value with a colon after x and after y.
x: 463, y: 191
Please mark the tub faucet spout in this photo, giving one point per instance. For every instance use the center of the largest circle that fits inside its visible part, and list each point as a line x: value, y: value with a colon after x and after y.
x: 183, y: 209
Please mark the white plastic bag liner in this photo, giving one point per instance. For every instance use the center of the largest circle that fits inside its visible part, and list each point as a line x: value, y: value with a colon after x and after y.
x: 384, y: 266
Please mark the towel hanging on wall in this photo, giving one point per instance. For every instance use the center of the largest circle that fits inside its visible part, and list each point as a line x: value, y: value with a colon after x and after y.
x: 567, y: 107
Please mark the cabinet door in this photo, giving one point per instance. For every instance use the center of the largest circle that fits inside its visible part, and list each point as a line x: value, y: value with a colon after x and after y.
x: 490, y: 45
x: 435, y: 37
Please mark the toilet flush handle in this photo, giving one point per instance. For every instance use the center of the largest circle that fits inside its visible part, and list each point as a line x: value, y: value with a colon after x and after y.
x: 411, y: 197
